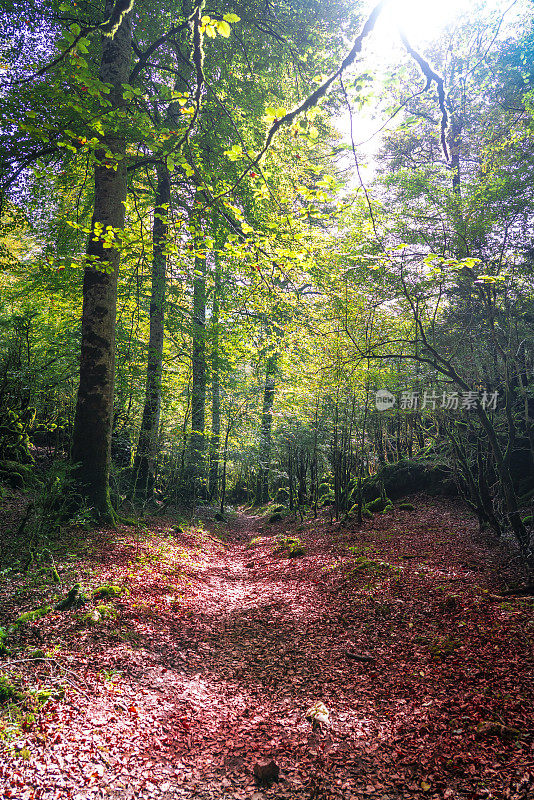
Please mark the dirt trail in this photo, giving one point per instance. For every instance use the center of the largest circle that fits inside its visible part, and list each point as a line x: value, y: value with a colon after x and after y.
x: 221, y: 647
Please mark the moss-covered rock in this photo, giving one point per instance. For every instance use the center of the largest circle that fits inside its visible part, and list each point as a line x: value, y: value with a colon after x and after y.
x: 32, y: 616
x: 278, y: 516
x: 107, y: 612
x: 99, y: 614
x: 292, y: 545
x: 379, y: 504
x: 108, y: 591
x: 406, y: 507
x: 296, y: 551
x: 408, y: 476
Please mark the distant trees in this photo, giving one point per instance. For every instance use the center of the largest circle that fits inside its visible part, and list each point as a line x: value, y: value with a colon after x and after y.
x: 260, y: 304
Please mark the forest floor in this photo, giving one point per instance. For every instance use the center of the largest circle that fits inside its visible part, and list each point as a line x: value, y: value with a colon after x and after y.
x: 210, y: 661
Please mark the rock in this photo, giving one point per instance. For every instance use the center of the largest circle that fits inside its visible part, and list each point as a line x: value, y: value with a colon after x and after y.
x: 31, y: 616
x: 108, y: 590
x: 74, y: 599
x: 266, y: 772
x: 318, y: 715
x: 249, y: 565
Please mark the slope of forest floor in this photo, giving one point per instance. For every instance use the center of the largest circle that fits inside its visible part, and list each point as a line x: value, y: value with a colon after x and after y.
x: 209, y: 662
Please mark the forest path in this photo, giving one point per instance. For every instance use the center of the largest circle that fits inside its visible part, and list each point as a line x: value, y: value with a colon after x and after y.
x: 222, y: 646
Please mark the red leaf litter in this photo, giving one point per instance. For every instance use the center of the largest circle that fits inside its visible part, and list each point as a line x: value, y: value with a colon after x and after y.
x: 211, y: 662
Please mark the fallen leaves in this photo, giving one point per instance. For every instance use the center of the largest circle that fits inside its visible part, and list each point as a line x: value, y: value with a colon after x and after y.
x: 213, y: 660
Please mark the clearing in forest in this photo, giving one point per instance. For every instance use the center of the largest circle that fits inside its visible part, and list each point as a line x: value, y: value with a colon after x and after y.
x: 209, y: 660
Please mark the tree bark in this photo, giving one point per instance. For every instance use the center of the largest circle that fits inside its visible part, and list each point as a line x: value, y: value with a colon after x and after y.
x: 147, y: 446
x: 215, y: 442
x: 91, y: 444
x: 262, y: 485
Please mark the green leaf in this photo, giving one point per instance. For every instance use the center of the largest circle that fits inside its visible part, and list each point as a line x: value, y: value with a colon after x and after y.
x: 231, y: 18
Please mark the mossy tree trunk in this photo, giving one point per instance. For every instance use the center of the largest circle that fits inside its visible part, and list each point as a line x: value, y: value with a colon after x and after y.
x: 91, y: 444
x: 215, y: 441
x: 147, y: 446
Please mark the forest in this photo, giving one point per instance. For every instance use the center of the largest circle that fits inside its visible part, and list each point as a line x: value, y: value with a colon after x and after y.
x: 266, y: 399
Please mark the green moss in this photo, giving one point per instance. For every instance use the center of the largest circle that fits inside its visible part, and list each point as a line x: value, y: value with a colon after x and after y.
x: 406, y: 507
x: 380, y: 504
x: 31, y: 616
x: 297, y: 551
x: 107, y: 612
x: 55, y: 693
x: 293, y: 545
x: 37, y: 654
x: 108, y: 590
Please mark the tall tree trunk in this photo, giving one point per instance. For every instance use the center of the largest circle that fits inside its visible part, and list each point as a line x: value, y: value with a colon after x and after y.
x: 147, y: 446
x: 91, y: 444
x: 197, y: 442
x: 215, y: 442
x: 262, y: 485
